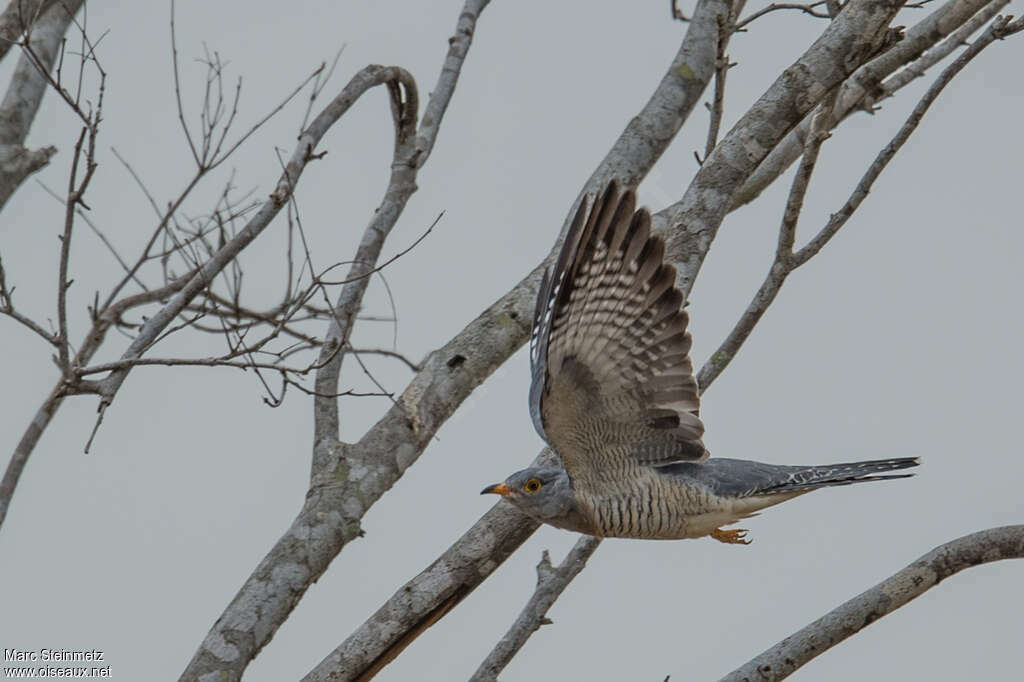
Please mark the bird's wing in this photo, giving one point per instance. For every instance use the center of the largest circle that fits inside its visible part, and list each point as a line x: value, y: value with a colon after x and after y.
x: 612, y: 376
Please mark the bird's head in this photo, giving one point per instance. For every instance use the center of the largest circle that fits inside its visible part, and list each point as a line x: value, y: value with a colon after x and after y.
x: 544, y: 493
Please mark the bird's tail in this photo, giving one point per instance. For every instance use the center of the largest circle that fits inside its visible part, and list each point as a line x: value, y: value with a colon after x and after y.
x: 802, y: 479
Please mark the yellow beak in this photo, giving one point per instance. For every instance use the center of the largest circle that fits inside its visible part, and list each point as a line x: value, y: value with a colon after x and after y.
x: 497, y: 489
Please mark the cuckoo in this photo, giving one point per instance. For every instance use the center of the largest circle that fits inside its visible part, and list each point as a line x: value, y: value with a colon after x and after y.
x: 614, y: 395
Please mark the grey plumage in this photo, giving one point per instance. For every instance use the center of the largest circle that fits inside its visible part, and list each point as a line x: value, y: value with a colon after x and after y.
x: 613, y: 392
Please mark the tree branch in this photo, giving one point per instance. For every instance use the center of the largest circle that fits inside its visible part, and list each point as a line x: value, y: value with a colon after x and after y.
x: 342, y: 487
x: 551, y: 582
x: 845, y: 44
x: 25, y: 92
x: 790, y: 654
x: 18, y: 17
x: 860, y: 86
x: 783, y: 263
x: 809, y: 8
x: 401, y: 186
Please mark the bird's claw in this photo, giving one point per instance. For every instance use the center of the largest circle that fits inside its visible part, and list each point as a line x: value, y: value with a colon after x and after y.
x: 736, y: 536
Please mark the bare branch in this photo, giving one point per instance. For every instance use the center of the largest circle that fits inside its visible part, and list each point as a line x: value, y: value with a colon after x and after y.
x: 934, y: 55
x: 785, y: 259
x: 778, y: 662
x: 784, y: 262
x: 425, y: 599
x: 7, y: 308
x: 809, y: 8
x: 551, y: 582
x: 388, y: 354
x: 677, y: 13
x: 844, y: 45
x: 154, y: 326
x: 18, y: 17
x: 649, y: 133
x: 25, y: 92
x: 177, y: 90
x: 920, y: 37
x: 336, y: 501
x: 26, y: 445
x: 726, y: 27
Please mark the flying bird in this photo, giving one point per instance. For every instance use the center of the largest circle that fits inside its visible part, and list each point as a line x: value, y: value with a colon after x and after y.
x: 614, y: 395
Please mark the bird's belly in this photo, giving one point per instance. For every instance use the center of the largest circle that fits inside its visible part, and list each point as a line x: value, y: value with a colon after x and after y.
x: 658, y: 509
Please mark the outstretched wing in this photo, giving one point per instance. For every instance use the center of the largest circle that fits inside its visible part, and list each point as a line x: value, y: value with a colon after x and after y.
x: 612, y: 376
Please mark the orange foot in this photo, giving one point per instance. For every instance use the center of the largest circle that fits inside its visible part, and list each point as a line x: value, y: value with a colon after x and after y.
x: 737, y: 536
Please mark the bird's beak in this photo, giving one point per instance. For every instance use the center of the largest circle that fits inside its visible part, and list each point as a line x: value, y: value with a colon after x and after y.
x: 497, y: 489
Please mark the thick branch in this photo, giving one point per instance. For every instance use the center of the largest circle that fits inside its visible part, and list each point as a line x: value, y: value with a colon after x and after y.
x: 847, y: 43
x: 850, y: 618
x: 860, y: 86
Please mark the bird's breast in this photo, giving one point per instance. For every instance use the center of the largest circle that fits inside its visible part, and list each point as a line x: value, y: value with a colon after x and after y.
x: 641, y: 503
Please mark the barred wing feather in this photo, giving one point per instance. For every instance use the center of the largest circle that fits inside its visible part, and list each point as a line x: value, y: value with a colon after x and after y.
x: 612, y: 376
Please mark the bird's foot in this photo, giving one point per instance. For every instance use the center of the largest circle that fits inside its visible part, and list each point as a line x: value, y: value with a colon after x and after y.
x: 736, y: 536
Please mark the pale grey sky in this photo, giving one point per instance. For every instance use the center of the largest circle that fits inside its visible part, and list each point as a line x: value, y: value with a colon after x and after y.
x: 901, y: 338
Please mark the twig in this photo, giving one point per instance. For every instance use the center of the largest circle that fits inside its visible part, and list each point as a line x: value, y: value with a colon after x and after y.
x: 177, y: 90
x: 677, y: 13
x: 783, y: 263
x: 809, y: 8
x: 726, y: 27
x: 7, y: 308
x: 388, y: 354
x: 65, y: 253
x: 778, y: 662
x: 551, y: 582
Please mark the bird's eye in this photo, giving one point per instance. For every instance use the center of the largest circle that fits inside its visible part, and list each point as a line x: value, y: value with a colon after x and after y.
x: 532, y: 486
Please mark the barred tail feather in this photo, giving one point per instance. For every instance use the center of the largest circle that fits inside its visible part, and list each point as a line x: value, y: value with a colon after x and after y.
x: 810, y: 478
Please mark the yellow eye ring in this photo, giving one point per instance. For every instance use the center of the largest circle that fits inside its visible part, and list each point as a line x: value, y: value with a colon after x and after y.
x: 532, y: 486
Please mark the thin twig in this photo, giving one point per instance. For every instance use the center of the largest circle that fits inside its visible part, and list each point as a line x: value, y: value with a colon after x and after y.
x: 808, y: 8
x: 7, y: 308
x: 726, y: 27
x: 783, y: 263
x: 551, y: 582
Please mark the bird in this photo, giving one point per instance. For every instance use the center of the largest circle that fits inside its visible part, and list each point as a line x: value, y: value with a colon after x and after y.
x: 614, y: 394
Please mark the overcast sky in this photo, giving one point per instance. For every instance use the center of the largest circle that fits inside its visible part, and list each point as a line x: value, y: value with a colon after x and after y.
x: 901, y: 338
